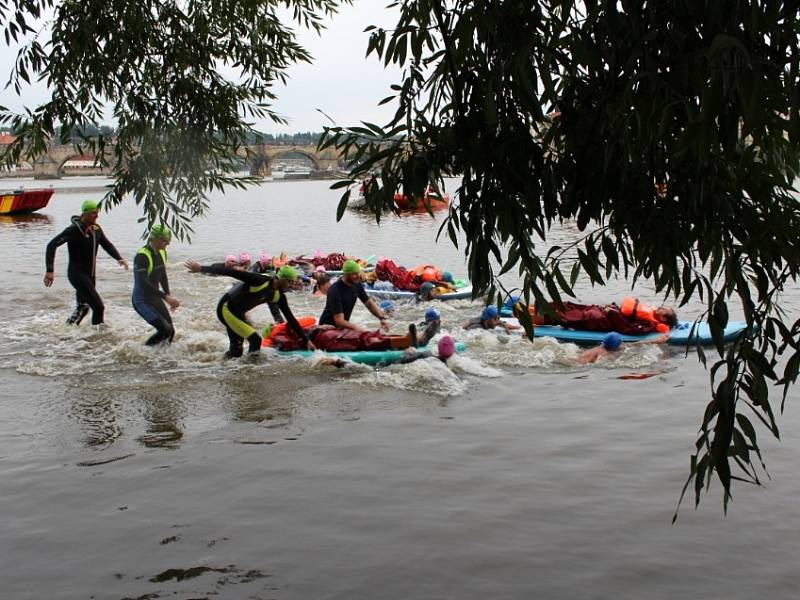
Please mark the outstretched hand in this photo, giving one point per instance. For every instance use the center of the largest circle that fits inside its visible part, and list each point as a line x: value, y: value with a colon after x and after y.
x: 193, y: 266
x: 48, y: 279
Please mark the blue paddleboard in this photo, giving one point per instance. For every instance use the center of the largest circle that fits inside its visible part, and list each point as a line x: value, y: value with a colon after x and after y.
x: 679, y: 336
x: 366, y: 357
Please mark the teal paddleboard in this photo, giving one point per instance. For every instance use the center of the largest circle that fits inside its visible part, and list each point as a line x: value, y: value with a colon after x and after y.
x: 366, y: 357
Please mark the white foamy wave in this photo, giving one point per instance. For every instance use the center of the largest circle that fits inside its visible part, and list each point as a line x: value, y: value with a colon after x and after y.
x: 635, y: 356
x: 513, y: 350
x: 429, y: 375
x: 461, y: 363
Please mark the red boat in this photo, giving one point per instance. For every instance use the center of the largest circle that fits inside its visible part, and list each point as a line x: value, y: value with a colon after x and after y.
x: 24, y: 201
x: 431, y: 198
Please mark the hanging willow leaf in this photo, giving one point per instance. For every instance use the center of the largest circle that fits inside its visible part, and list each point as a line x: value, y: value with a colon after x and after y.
x: 654, y: 152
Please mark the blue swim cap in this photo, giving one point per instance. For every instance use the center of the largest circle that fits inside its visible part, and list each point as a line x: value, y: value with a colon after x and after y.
x: 447, y: 276
x: 387, y: 305
x: 612, y: 341
x: 490, y: 312
x: 432, y: 315
x: 511, y: 300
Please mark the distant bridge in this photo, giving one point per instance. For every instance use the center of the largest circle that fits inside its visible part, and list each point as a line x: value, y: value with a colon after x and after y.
x: 258, y: 159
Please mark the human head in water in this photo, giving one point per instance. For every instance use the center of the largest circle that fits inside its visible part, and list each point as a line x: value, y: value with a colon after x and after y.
x: 427, y: 291
x: 323, y: 284
x: 612, y: 341
x: 490, y: 317
x: 446, y: 347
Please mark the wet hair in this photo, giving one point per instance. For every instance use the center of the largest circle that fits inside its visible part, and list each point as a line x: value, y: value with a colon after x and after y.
x: 668, y: 316
x: 322, y: 280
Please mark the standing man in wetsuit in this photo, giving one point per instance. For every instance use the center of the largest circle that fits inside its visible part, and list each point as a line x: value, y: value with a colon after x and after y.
x: 82, y: 237
x: 255, y: 289
x: 150, y: 274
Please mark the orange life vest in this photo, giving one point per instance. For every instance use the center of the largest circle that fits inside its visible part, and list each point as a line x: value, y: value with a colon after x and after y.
x: 428, y: 273
x: 631, y: 307
x: 305, y: 323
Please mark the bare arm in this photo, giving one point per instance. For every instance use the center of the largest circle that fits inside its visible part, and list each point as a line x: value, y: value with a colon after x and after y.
x: 373, y: 307
x: 342, y: 323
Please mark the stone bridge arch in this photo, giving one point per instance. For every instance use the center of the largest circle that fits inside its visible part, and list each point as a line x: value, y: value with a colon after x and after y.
x: 257, y: 158
x: 261, y: 157
x: 51, y: 165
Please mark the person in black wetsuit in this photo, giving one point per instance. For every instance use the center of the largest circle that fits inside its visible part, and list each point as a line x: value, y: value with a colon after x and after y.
x: 255, y: 289
x: 264, y: 266
x: 150, y: 274
x: 82, y: 237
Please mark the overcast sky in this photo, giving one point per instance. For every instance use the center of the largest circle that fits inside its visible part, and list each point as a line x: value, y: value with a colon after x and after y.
x: 341, y: 82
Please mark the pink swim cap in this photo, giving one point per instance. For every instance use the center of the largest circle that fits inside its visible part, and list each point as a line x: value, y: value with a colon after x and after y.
x: 244, y: 257
x: 265, y: 258
x: 447, y: 347
x: 231, y: 258
x: 320, y: 269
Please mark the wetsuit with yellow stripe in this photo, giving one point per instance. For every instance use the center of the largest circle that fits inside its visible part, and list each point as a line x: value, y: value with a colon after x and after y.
x: 150, y: 287
x: 255, y: 289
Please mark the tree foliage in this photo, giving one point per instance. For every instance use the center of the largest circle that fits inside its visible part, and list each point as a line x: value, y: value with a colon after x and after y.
x: 181, y: 79
x: 675, y: 152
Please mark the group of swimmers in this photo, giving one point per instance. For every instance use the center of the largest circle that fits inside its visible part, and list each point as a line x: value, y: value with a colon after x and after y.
x: 263, y: 283
x: 153, y: 301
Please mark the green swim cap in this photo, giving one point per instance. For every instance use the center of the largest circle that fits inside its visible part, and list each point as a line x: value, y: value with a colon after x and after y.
x: 160, y: 232
x: 350, y: 266
x: 89, y: 206
x: 287, y: 272
x: 266, y: 331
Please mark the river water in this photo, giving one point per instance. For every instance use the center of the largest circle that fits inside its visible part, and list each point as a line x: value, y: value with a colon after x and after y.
x: 129, y: 472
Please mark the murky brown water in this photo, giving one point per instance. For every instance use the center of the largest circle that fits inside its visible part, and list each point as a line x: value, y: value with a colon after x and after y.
x: 132, y: 473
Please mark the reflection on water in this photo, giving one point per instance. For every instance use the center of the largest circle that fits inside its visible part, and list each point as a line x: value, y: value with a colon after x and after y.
x: 25, y: 220
x: 163, y: 412
x: 98, y: 418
